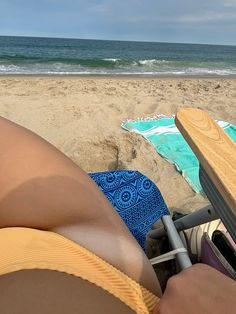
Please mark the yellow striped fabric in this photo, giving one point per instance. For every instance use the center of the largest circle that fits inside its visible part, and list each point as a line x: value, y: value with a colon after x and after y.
x: 25, y: 248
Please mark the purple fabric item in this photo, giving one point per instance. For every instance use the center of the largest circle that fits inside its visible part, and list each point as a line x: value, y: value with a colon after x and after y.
x: 211, y: 256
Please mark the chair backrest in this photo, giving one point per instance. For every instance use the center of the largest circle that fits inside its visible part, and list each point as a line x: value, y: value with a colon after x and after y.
x: 216, y: 153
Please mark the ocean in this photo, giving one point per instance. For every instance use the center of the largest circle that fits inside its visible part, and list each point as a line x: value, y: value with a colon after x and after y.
x: 58, y: 56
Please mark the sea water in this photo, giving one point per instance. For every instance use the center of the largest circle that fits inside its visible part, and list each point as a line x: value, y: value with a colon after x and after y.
x: 34, y: 55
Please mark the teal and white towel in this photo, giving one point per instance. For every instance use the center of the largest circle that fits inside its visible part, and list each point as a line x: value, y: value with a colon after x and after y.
x: 163, y: 134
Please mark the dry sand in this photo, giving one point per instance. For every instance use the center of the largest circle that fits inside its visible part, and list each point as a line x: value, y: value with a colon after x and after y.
x: 81, y: 116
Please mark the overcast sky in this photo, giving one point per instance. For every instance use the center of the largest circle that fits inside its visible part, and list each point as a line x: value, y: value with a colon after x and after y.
x: 186, y: 21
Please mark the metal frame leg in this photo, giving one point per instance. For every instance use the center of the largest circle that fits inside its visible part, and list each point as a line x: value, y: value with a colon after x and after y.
x: 203, y: 215
x: 176, y: 242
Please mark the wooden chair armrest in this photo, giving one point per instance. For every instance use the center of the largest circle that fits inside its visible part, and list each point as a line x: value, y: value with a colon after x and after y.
x: 214, y: 149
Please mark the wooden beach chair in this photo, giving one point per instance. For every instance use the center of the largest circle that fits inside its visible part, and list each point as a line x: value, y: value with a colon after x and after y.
x: 40, y: 272
x: 216, y: 153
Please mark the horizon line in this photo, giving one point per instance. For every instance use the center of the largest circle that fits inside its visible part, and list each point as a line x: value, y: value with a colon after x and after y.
x: 121, y: 40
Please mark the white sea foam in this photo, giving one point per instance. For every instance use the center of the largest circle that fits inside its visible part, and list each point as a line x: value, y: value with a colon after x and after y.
x: 152, y: 62
x: 111, y: 59
x: 9, y: 68
x: 134, y: 69
x: 209, y: 71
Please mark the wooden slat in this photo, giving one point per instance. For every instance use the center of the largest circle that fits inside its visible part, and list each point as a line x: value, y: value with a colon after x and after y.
x: 213, y: 148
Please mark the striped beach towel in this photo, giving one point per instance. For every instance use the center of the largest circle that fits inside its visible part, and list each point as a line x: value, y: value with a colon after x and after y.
x: 163, y: 134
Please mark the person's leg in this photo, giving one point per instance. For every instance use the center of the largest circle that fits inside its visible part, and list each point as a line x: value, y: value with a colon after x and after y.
x: 42, y: 188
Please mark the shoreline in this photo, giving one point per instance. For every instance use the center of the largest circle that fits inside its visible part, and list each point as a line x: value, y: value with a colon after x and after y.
x: 119, y: 76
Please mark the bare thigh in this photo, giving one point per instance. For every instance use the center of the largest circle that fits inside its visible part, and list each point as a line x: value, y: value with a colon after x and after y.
x: 41, y: 188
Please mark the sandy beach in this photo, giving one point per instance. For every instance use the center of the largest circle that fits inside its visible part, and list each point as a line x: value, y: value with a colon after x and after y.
x: 81, y: 116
